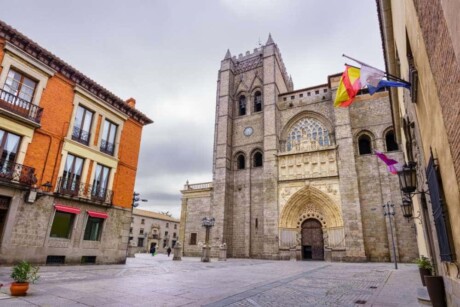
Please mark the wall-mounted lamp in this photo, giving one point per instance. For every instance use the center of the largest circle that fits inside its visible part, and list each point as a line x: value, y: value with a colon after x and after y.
x: 408, y: 183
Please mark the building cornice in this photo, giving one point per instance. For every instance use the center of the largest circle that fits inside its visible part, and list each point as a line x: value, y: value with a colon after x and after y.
x: 32, y: 49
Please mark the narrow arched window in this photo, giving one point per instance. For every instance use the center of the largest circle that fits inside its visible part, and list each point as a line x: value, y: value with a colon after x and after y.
x: 240, y: 162
x: 242, y: 105
x: 364, y: 144
x: 257, y: 101
x: 258, y: 159
x: 390, y: 141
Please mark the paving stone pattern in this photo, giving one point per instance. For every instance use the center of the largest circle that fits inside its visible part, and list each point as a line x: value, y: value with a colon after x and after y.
x: 159, y: 281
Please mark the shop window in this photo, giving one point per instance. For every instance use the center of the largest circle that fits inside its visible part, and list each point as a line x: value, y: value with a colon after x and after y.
x: 62, y: 225
x: 93, y: 229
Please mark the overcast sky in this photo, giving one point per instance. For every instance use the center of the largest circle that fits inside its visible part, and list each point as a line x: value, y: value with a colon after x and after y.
x: 166, y: 54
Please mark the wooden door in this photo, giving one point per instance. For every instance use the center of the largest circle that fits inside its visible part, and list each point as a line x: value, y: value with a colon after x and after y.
x: 312, y: 240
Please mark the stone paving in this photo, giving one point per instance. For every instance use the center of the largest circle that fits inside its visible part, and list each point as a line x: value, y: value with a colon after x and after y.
x: 159, y: 281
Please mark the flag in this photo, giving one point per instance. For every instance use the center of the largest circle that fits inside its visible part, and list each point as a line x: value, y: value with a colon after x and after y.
x: 373, y: 79
x: 348, y: 87
x: 393, y: 166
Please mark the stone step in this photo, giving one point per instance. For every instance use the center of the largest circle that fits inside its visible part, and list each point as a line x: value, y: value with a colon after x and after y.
x: 423, y: 297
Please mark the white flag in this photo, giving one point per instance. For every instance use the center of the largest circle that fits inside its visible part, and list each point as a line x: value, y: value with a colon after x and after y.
x: 370, y: 76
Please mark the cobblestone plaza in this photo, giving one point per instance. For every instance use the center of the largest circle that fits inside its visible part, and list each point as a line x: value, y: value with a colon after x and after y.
x: 159, y: 281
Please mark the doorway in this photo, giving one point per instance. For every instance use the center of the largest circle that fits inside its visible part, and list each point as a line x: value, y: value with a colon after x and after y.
x: 312, y: 240
x: 4, y: 205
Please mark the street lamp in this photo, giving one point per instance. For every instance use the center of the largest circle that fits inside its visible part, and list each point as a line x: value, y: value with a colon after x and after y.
x: 389, y: 210
x: 208, y: 223
x: 408, y: 183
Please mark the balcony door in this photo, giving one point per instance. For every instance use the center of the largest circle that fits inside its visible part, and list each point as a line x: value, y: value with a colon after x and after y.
x: 82, y: 126
x: 9, y: 146
x: 19, y: 85
x: 101, y: 180
x: 71, y: 177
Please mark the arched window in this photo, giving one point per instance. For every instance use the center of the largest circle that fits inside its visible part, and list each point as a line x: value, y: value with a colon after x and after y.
x: 242, y: 105
x: 240, y: 162
x: 390, y: 141
x: 257, y: 159
x: 257, y: 101
x: 308, y: 128
x: 364, y: 144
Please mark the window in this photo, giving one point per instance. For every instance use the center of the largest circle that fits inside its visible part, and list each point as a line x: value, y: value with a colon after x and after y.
x: 9, y: 145
x: 301, y: 95
x: 325, y: 90
x: 257, y: 159
x: 100, y: 182
x: 132, y: 219
x: 193, y: 239
x: 308, y: 94
x: 390, y: 141
x: 258, y: 102
x: 308, y: 129
x: 175, y: 226
x: 70, y: 182
x: 292, y: 97
x: 108, y: 137
x: 130, y: 239
x: 62, y: 225
x: 93, y: 229
x: 174, y: 235
x: 284, y: 99
x: 142, y: 221
x: 364, y: 144
x: 240, y: 162
x: 242, y: 105
x: 82, y: 125
x: 131, y: 230
x: 20, y: 86
x: 140, y: 242
x: 141, y: 231
x: 166, y: 233
x: 316, y: 92
x: 167, y: 225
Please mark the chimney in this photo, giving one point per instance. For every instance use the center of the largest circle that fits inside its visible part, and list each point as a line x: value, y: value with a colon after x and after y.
x: 132, y: 102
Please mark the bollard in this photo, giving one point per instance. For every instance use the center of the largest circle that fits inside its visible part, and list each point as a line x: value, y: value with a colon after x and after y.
x: 177, y: 251
x: 223, y: 252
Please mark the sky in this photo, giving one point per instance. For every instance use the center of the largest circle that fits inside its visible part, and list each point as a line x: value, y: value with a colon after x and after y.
x: 166, y: 54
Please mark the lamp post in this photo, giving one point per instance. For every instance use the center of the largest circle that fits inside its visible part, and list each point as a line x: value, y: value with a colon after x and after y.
x: 408, y: 183
x: 389, y: 210
x: 208, y: 223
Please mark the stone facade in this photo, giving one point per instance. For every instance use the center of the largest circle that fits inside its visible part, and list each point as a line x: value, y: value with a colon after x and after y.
x: 294, y: 159
x: 151, y: 228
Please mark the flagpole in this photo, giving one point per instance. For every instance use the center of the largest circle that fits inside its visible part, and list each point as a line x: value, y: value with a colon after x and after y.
x: 387, y: 74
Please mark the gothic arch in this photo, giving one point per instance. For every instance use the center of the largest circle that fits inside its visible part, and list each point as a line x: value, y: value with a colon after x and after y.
x: 305, y: 114
x: 310, y: 202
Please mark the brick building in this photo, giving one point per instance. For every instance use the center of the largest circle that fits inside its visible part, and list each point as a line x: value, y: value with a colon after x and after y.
x: 149, y: 229
x: 293, y: 173
x: 421, y: 42
x: 69, y: 159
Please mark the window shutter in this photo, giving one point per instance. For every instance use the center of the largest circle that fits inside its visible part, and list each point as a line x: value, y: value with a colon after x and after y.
x: 441, y: 219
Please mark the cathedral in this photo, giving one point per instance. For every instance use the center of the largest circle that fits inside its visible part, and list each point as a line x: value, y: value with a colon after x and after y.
x: 292, y: 175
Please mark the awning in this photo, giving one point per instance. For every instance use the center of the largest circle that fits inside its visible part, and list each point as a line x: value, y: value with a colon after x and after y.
x: 68, y: 209
x: 100, y: 215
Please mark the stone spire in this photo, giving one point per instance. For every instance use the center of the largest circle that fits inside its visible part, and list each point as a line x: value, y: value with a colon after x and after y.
x: 269, y: 40
x: 228, y: 55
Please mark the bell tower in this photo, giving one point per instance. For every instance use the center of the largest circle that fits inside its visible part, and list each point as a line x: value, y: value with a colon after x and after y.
x: 245, y: 171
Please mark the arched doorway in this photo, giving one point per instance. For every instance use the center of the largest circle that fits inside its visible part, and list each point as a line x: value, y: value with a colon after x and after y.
x: 312, y: 240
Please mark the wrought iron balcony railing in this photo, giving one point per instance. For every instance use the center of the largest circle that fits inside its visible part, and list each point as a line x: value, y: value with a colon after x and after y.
x: 18, y: 173
x: 84, y: 190
x: 107, y: 147
x: 20, y: 107
x: 80, y: 135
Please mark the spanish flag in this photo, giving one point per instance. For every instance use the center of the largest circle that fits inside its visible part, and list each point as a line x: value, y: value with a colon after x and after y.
x: 348, y: 87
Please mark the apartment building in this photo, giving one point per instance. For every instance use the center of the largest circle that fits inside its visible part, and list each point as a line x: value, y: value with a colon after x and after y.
x: 69, y: 153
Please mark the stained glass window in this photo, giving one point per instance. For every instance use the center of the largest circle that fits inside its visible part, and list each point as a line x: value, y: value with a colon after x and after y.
x: 310, y: 129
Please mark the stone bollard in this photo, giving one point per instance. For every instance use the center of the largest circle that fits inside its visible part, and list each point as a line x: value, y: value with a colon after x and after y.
x: 223, y: 252
x: 177, y: 251
x: 293, y: 254
x: 205, y: 256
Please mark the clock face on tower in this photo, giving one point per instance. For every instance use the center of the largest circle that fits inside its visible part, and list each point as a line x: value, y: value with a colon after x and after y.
x: 248, y: 131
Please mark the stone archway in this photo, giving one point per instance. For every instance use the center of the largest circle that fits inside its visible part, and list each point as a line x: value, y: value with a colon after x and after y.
x: 310, y: 203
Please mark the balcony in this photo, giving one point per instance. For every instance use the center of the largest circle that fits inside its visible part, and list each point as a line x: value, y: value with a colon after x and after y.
x: 84, y: 191
x: 107, y: 147
x: 20, y: 107
x: 80, y: 135
x: 17, y: 173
